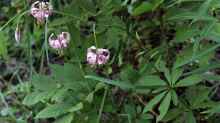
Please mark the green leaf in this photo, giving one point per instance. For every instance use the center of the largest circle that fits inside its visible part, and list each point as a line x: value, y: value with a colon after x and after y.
x: 66, y: 73
x: 213, y: 110
x: 36, y: 97
x: 174, y: 97
x: 69, y: 75
x: 43, y: 83
x: 190, y: 117
x: 150, y: 105
x: 176, y: 73
x: 90, y: 97
x: 65, y: 119
x: 189, y: 81
x: 77, y: 107
x: 185, y: 33
x: 157, y: 3
x: 211, y: 77
x: 164, y: 106
x: 120, y: 84
x: 144, y: 7
x: 53, y: 110
x: 205, y: 68
x: 147, y: 7
x: 197, y: 95
x: 3, y: 46
x: 172, y: 114
x: 150, y: 80
x: 205, y: 7
x: 188, y: 56
x: 168, y: 75
x: 182, y: 16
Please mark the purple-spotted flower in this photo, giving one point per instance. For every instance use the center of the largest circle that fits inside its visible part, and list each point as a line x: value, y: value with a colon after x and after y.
x: 60, y: 41
x: 97, y: 56
x: 41, y: 10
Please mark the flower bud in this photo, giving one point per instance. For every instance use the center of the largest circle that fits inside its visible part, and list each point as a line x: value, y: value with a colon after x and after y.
x: 17, y: 34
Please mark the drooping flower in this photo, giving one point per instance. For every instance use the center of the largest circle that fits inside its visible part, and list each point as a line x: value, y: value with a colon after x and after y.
x: 17, y: 34
x: 59, y: 42
x: 91, y: 55
x: 103, y: 56
x: 97, y: 56
x: 41, y: 10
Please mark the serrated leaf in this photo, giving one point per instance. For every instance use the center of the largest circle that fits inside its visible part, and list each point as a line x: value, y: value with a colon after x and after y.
x: 164, y: 106
x: 189, y: 81
x: 150, y: 105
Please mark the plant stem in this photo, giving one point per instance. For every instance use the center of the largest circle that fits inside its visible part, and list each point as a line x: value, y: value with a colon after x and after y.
x: 94, y: 34
x: 45, y: 41
x: 102, y: 105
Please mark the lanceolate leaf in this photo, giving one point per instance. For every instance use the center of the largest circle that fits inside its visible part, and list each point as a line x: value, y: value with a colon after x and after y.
x: 190, y: 117
x: 189, y: 56
x: 144, y: 7
x: 121, y: 84
x: 176, y: 73
x: 188, y: 81
x: 150, y: 105
x: 164, y: 106
x: 174, y: 97
x: 150, y: 80
x: 147, y: 7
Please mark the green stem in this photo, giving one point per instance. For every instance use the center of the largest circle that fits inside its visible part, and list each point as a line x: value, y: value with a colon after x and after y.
x: 102, y: 105
x: 30, y: 57
x: 94, y: 34
x: 45, y: 40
